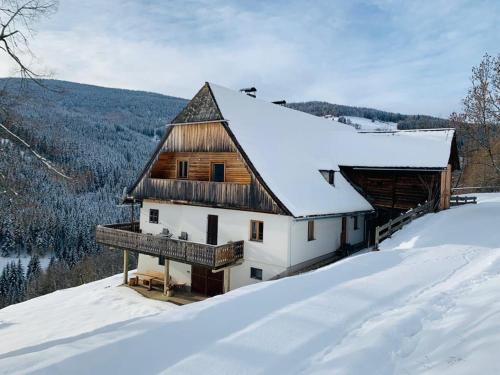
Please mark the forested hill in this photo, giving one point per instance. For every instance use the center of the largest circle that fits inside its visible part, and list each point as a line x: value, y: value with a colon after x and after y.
x: 403, y: 121
x: 100, y: 137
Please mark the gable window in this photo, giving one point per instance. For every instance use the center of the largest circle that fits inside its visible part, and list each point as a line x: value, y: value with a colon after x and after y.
x: 182, y: 169
x: 153, y: 216
x: 256, y: 230
x: 310, y: 230
x: 356, y: 224
x: 218, y: 172
x: 256, y: 273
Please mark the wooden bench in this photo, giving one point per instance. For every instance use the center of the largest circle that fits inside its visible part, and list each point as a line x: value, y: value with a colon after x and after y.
x: 149, y: 277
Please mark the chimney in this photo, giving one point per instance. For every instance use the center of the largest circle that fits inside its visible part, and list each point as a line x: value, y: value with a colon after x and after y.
x: 280, y: 102
x: 250, y: 91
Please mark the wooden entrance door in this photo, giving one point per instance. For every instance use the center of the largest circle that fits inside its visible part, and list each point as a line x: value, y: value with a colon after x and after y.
x: 206, y: 282
x: 212, y: 229
x: 343, y: 234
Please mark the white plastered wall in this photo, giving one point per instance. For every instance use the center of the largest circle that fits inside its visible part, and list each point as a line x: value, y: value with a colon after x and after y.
x: 285, y: 239
x: 271, y: 255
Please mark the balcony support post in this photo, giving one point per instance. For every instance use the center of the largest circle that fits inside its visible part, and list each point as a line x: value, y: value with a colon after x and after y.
x: 125, y: 267
x: 166, y: 277
x: 227, y: 279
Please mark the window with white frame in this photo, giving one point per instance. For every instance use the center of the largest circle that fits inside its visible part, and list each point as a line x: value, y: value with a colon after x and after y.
x: 153, y: 216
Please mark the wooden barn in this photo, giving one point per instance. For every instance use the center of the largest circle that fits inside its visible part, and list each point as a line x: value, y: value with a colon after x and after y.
x: 240, y: 190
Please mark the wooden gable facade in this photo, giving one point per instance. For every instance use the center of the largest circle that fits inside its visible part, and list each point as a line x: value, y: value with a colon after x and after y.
x: 197, y: 141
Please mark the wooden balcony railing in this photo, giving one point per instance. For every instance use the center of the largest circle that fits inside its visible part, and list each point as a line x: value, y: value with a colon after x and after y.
x: 126, y: 236
x: 224, y: 194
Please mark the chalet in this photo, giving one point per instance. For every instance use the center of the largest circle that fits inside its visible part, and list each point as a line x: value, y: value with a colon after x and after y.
x: 241, y: 190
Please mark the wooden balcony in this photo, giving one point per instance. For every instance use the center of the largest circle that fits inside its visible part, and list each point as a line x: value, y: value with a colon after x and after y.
x: 126, y: 236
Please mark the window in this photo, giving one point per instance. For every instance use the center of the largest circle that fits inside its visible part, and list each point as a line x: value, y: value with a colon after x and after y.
x: 328, y: 175
x: 256, y: 230
x: 310, y: 230
x: 218, y: 172
x: 356, y: 224
x: 256, y: 273
x: 331, y: 177
x: 182, y: 169
x: 212, y: 229
x: 153, y: 216
x: 161, y: 260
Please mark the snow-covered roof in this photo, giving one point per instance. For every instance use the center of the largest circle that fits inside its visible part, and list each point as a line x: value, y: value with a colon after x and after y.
x: 289, y: 147
x: 402, y: 149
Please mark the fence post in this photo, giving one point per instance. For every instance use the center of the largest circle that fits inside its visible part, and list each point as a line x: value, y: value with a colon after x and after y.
x: 377, y: 235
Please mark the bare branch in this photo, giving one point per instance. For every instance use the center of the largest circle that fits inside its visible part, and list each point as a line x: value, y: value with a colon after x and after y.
x: 17, y: 21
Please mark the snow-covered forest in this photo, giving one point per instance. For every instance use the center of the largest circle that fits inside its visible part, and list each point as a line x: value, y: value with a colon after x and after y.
x: 100, y: 138
x: 403, y: 121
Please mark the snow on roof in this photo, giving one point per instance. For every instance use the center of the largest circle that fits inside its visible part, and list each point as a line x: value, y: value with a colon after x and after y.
x: 289, y: 147
x: 403, y: 148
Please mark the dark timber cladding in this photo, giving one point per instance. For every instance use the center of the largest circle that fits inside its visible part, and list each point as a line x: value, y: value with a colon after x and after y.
x: 199, y: 136
x: 395, y: 189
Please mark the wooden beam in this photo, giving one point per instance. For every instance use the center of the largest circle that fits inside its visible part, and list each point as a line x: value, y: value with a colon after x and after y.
x: 125, y: 267
x: 444, y: 201
x: 166, y: 276
x: 227, y: 280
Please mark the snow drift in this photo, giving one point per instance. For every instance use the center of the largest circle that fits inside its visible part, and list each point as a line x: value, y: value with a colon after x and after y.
x: 427, y: 303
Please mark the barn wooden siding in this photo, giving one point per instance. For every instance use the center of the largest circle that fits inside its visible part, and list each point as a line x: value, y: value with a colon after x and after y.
x: 201, y: 144
x: 202, y: 137
x: 395, y: 189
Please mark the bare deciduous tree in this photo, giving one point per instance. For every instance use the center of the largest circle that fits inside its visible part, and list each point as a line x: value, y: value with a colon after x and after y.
x: 17, y: 20
x: 479, y: 121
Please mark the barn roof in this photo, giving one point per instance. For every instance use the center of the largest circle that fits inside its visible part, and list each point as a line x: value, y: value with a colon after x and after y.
x: 288, y: 148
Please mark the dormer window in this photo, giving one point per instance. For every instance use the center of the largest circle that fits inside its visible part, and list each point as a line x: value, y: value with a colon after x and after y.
x: 329, y: 175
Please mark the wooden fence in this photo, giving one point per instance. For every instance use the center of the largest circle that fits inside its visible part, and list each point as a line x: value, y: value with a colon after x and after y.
x: 387, y: 229
x: 459, y: 200
x: 475, y: 189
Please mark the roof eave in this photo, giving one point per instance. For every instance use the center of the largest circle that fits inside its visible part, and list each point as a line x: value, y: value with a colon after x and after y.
x: 332, y: 215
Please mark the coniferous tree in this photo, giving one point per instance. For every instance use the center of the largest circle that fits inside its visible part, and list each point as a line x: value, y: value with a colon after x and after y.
x: 34, y: 268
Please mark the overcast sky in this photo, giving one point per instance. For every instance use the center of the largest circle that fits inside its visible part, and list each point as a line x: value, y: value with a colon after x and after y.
x: 409, y: 57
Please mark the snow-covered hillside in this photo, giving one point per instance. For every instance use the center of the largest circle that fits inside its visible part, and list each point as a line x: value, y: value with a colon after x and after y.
x: 362, y: 123
x: 429, y: 302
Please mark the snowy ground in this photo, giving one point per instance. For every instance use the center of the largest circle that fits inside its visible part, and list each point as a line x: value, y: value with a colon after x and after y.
x: 428, y: 302
x: 367, y: 124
